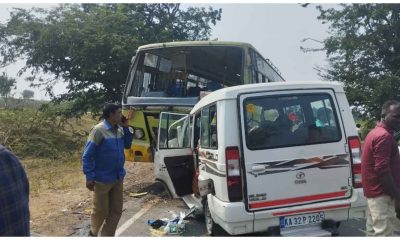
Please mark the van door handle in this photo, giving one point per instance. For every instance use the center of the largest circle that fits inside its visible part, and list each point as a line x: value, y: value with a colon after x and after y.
x: 258, y: 168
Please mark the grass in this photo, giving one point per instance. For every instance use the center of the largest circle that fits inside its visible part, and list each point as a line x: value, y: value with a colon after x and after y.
x: 64, y: 171
x: 60, y: 171
x: 46, y: 174
x: 50, y: 154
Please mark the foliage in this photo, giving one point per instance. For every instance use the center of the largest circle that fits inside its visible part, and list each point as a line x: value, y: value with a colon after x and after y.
x: 363, y: 50
x: 6, y: 85
x: 90, y: 46
x: 366, y: 127
x: 41, y: 133
x: 27, y: 94
x: 15, y: 103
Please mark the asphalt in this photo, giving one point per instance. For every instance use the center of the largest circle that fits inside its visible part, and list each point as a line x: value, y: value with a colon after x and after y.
x: 157, y: 205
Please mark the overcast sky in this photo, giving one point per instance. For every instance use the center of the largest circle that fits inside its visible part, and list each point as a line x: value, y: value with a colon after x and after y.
x: 275, y: 30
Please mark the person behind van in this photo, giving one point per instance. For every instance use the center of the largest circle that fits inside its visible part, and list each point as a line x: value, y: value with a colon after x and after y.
x: 380, y: 169
x: 314, y: 134
x: 14, y: 196
x: 103, y: 164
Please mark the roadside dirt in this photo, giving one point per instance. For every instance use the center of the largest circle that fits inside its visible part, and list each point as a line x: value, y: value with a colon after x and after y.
x: 67, y: 212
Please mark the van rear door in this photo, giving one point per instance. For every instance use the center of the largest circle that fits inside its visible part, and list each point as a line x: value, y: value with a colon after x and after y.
x: 293, y: 148
x: 173, y: 159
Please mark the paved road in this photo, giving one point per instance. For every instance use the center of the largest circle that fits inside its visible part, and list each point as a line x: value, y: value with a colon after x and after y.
x: 157, y: 205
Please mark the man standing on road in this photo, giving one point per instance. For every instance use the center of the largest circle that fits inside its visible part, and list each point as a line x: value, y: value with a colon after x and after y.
x: 103, y: 164
x: 380, y: 169
x: 14, y: 196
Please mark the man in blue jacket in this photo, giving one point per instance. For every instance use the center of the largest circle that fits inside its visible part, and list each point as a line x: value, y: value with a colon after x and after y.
x: 103, y: 164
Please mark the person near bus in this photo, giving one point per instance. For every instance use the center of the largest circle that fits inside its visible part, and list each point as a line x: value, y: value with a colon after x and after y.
x: 380, y: 169
x: 103, y: 165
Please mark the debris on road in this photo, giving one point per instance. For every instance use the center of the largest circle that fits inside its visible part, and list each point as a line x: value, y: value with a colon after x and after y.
x: 174, y: 226
x: 191, y: 211
x: 138, y: 194
x: 156, y: 224
x: 157, y: 232
x: 88, y: 211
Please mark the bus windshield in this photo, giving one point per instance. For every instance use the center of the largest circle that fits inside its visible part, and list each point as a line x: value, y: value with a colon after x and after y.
x: 185, y: 71
x: 173, y: 76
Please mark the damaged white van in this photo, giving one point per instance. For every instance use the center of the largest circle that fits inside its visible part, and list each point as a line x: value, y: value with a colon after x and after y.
x: 277, y: 157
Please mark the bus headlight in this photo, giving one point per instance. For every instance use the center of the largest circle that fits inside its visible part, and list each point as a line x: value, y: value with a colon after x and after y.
x: 139, y: 134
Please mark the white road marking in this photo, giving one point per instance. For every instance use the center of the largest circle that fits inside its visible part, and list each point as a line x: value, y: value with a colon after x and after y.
x: 132, y: 220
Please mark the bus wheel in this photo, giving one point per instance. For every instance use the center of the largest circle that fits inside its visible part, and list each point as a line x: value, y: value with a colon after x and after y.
x: 211, y: 226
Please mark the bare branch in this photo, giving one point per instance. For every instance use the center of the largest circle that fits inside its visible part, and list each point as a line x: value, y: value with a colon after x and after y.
x: 311, y: 39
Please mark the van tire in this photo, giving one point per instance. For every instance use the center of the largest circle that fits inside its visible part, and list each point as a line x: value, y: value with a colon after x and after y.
x: 335, y: 233
x: 211, y: 226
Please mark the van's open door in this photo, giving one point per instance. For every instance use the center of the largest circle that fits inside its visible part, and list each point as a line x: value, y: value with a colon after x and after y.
x: 173, y: 159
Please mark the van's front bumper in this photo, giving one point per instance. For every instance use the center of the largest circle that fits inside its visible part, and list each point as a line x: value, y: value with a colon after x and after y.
x: 233, y: 217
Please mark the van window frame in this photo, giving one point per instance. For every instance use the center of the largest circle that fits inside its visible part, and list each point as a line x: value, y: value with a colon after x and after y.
x: 208, y: 108
x: 339, y: 126
x: 256, y: 72
x: 187, y: 132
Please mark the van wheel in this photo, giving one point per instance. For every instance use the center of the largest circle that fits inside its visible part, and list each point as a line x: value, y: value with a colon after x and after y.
x: 211, y: 226
x: 335, y: 233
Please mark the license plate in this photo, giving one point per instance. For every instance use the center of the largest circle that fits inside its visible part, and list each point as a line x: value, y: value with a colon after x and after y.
x: 300, y: 220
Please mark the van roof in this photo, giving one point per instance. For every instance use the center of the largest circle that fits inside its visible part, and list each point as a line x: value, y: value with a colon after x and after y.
x: 233, y: 92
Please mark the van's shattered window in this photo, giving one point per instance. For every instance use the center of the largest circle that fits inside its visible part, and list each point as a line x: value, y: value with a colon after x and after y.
x: 186, y: 71
x: 273, y: 121
x: 174, y: 131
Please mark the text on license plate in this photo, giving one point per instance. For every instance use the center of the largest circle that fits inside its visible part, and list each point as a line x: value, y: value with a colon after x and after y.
x: 299, y: 220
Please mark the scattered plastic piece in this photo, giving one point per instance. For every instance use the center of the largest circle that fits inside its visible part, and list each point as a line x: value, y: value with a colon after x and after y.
x: 87, y: 211
x: 138, y: 194
x: 191, y: 211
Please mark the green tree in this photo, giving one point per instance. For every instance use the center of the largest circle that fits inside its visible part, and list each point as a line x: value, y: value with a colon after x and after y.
x: 6, y: 85
x: 363, y: 50
x: 27, y: 94
x: 90, y: 46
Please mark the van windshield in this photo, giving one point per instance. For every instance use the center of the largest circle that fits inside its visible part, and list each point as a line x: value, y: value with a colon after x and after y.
x: 290, y: 120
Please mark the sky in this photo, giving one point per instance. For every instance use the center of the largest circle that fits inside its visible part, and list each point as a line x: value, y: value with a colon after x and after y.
x: 275, y: 30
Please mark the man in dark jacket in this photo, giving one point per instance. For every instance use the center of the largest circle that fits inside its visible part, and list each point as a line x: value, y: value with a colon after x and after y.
x: 103, y: 164
x: 14, y: 196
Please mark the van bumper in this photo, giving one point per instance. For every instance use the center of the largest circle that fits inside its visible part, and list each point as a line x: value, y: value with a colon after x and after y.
x: 338, y: 210
x: 231, y: 216
x: 234, y: 218
x: 359, y: 205
x: 335, y: 211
